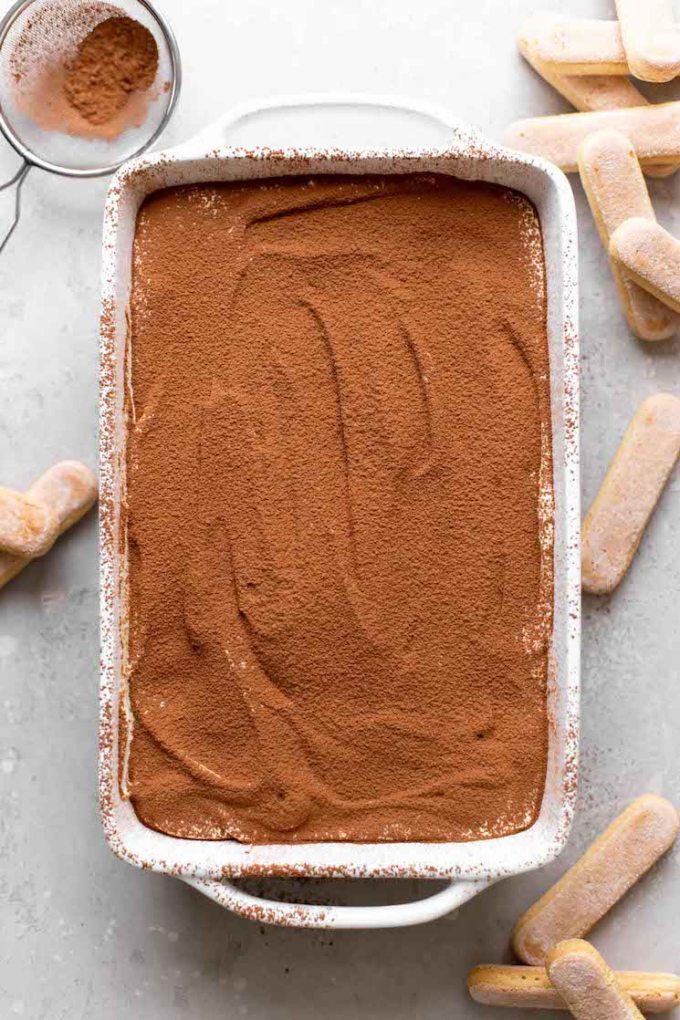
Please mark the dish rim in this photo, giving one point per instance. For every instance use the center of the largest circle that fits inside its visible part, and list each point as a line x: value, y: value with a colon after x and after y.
x: 497, y: 857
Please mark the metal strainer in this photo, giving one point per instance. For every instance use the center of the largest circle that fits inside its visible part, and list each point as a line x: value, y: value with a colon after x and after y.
x: 55, y: 150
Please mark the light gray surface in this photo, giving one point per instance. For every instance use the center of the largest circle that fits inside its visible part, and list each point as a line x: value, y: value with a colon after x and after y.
x: 86, y: 936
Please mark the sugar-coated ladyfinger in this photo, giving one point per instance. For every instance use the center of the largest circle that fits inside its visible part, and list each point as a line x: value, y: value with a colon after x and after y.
x: 650, y: 37
x: 615, y: 188
x: 27, y: 527
x: 587, y: 984
x: 592, y: 92
x: 617, y: 519
x: 69, y: 489
x: 652, y: 257
x: 654, y: 131
x: 588, y: 91
x: 576, y: 46
x: 616, y: 860
x: 530, y: 988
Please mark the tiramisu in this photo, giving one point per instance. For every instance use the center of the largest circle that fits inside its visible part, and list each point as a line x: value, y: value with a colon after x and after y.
x: 338, y: 511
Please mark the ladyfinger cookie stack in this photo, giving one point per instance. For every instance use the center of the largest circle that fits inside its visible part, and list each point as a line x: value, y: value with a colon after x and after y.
x: 30, y: 523
x: 615, y: 134
x: 615, y: 138
x: 561, y: 971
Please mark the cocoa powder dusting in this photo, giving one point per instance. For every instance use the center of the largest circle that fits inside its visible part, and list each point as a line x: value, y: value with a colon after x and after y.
x: 340, y: 580
x: 118, y: 57
x: 85, y: 69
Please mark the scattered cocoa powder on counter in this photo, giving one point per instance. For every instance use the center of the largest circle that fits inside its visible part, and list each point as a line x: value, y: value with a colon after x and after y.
x: 85, y: 69
x: 338, y: 463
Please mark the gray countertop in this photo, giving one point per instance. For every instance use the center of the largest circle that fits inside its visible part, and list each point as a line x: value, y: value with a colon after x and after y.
x: 87, y: 936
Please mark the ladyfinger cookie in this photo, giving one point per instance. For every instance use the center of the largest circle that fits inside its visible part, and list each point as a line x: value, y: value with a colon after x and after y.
x: 69, y: 489
x: 592, y: 92
x: 616, y: 860
x: 631, y: 489
x: 615, y: 188
x: 654, y: 131
x: 650, y: 37
x: 652, y: 257
x: 587, y: 984
x: 531, y: 988
x: 576, y: 46
x: 27, y: 527
x: 588, y: 91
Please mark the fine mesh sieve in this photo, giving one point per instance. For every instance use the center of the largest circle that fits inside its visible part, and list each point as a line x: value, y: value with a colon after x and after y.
x: 35, y: 34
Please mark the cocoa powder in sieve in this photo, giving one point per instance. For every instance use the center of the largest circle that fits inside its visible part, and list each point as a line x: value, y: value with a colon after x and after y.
x: 338, y: 511
x: 118, y: 57
x: 85, y: 69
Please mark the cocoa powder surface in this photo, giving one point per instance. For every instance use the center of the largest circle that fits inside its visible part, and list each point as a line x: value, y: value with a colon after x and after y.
x: 338, y: 454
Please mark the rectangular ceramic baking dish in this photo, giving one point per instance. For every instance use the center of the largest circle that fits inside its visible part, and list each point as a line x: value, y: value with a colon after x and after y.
x: 346, y: 134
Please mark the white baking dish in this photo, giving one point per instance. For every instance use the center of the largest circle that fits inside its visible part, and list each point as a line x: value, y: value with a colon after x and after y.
x: 383, y: 136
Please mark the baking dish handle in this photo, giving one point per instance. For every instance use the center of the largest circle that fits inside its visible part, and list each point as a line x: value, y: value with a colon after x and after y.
x: 305, y: 915
x: 333, y: 120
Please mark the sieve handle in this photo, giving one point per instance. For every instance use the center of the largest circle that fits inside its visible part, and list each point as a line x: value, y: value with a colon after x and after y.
x: 17, y: 182
x: 306, y: 915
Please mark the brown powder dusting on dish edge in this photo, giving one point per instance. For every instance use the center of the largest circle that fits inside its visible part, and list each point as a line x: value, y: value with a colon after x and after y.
x: 340, y: 586
x: 85, y: 69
